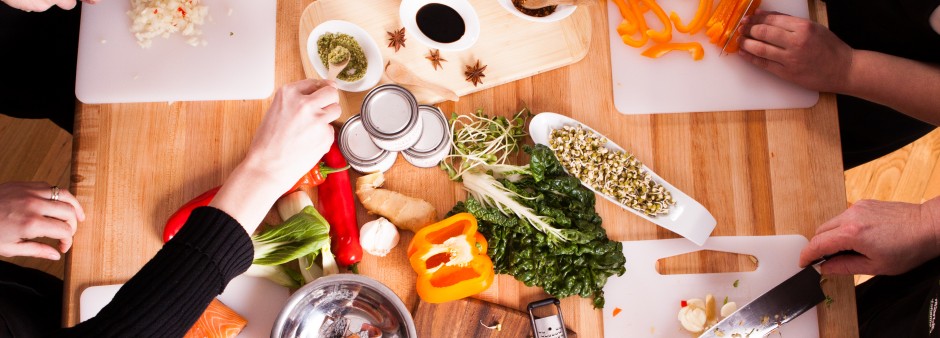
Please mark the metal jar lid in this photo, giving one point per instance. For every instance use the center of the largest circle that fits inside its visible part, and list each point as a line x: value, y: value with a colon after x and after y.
x: 356, y: 145
x: 435, y: 135
x: 389, y: 112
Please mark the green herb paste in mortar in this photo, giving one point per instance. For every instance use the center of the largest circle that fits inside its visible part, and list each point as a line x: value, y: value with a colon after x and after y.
x: 330, y: 47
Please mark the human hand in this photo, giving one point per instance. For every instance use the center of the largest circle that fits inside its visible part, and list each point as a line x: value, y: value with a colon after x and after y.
x: 796, y: 50
x: 39, y: 5
x: 890, y: 237
x: 296, y: 131
x: 27, y: 212
x: 292, y: 138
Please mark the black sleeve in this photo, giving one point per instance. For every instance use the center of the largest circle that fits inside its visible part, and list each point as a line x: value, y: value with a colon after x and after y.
x: 167, y: 296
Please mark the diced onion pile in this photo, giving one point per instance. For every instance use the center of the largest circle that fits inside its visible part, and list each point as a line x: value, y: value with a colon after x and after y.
x: 153, y: 18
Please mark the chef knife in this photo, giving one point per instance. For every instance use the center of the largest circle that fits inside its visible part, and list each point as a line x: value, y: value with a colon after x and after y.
x: 776, y: 307
x: 736, y: 26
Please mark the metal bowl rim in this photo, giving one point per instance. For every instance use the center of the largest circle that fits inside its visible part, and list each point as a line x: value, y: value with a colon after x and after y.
x: 375, y: 285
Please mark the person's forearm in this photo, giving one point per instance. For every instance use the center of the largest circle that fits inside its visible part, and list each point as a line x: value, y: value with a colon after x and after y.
x: 930, y: 216
x: 248, y: 194
x: 908, y: 86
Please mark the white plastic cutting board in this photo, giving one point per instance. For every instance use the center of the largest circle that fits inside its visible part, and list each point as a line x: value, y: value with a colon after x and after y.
x: 650, y: 301
x: 237, y: 62
x: 256, y: 299
x: 674, y: 83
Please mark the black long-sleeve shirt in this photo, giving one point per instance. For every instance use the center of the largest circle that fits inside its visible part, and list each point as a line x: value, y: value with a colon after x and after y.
x: 167, y: 296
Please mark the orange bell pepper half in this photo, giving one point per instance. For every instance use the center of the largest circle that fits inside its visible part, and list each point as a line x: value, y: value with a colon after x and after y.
x: 450, y: 259
x: 694, y: 48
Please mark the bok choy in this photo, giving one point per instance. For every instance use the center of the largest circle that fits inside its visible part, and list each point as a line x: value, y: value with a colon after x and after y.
x: 301, y: 235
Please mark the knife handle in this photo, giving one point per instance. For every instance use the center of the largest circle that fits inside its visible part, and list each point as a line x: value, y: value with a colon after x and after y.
x: 837, y: 254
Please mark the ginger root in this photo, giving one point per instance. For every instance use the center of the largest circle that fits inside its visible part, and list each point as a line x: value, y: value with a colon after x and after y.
x: 406, y: 212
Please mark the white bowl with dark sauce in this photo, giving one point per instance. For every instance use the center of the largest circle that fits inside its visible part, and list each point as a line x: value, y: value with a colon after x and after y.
x: 451, y: 25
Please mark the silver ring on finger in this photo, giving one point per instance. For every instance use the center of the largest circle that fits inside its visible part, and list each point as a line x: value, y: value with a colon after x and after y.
x: 55, y: 193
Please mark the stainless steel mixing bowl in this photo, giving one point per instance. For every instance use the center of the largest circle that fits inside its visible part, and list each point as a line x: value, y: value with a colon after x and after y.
x: 341, y: 305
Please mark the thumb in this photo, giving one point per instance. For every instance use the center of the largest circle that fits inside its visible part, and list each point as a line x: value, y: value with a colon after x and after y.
x: 847, y: 265
x: 36, y: 249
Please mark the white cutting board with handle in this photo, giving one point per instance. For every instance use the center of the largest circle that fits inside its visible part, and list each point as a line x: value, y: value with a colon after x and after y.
x: 650, y: 302
x: 236, y: 63
x: 674, y: 83
x: 256, y: 299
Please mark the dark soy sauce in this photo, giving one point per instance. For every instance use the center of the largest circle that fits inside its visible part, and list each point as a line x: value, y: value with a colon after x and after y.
x: 440, y: 23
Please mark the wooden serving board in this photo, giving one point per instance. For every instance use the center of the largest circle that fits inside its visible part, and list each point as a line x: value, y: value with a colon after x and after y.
x: 462, y: 318
x: 511, y: 47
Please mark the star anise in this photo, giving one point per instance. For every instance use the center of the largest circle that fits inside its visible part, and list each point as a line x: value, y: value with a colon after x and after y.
x: 435, y: 58
x: 396, y: 39
x: 475, y: 73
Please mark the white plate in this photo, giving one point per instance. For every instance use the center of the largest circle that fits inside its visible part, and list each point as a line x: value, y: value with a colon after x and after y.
x: 409, y: 10
x: 561, y: 12
x: 373, y: 56
x: 687, y: 217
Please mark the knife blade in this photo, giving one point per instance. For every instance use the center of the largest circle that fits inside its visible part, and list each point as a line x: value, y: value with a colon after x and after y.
x: 776, y: 307
x: 736, y: 26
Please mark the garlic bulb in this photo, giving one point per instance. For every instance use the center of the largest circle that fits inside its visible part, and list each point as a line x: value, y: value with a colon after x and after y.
x: 378, y: 237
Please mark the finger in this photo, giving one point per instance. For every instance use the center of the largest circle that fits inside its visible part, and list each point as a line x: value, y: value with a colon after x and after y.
x: 67, y: 197
x: 61, y: 211
x: 770, y: 34
x: 777, y: 19
x: 64, y: 4
x: 762, y: 50
x: 307, y: 86
x: 323, y: 97
x: 36, y: 249
x: 847, y: 265
x: 332, y: 112
x: 826, y: 243
x: 50, y: 228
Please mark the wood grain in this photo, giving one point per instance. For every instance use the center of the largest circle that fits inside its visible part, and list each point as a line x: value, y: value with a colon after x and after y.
x: 758, y: 172
x: 462, y: 318
x: 510, y: 47
x: 35, y: 150
x: 910, y: 174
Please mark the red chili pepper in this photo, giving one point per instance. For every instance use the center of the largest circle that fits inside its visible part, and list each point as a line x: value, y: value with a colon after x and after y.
x: 176, y: 221
x: 338, y: 207
x: 315, y: 177
x: 684, y: 303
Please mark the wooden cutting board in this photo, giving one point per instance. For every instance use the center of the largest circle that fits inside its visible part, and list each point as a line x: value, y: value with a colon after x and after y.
x: 461, y: 318
x: 511, y: 47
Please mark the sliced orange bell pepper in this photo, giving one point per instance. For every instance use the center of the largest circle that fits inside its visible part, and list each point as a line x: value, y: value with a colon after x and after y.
x: 450, y: 259
x: 632, y: 23
x: 721, y: 13
x: 703, y: 7
x: 732, y: 21
x: 693, y: 48
x: 659, y: 36
x: 695, y: 28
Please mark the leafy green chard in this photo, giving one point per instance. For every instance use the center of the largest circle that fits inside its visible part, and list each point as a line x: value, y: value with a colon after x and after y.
x: 579, y: 266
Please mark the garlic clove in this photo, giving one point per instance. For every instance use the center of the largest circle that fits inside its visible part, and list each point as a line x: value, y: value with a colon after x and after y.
x: 728, y: 309
x: 378, y: 237
x: 695, y: 302
x: 692, y: 318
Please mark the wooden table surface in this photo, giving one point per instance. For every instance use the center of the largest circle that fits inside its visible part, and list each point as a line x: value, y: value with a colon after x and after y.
x: 758, y: 172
